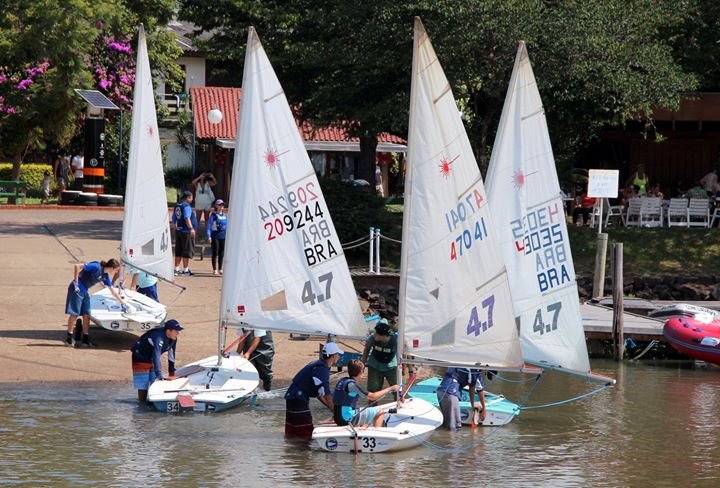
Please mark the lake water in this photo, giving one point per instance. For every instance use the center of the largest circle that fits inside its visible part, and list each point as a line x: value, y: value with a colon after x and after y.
x: 656, y: 427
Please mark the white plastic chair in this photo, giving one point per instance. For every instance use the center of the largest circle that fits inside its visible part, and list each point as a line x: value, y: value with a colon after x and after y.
x: 715, y: 215
x: 613, y: 211
x: 699, y: 212
x: 632, y: 217
x: 651, y: 212
x: 677, y: 213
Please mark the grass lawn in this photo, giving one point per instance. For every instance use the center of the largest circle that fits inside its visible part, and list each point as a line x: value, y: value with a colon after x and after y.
x: 646, y: 251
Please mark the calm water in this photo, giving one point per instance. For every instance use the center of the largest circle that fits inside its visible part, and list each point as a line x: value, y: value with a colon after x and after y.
x: 657, y: 427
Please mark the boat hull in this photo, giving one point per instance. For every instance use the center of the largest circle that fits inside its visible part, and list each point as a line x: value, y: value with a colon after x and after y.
x: 695, y: 338
x: 499, y: 410
x: 203, y: 386
x: 413, y: 423
x: 107, y: 312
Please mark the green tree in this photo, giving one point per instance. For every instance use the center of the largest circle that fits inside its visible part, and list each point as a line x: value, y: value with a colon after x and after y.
x: 46, y: 48
x: 348, y: 62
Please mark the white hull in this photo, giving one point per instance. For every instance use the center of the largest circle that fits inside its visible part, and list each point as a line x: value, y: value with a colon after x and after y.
x: 413, y: 423
x: 202, y: 386
x: 106, y: 311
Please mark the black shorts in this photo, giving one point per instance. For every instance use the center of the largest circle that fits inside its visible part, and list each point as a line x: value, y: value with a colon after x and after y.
x: 183, y: 245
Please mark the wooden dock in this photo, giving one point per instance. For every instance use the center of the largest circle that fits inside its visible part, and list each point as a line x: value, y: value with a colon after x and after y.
x: 596, y: 317
x: 597, y: 322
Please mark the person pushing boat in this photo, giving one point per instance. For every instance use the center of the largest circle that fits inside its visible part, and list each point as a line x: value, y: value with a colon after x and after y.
x: 313, y: 381
x: 77, y: 302
x: 146, y: 354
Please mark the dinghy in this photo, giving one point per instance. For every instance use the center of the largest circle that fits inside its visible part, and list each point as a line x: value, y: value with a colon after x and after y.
x: 146, y: 243
x: 455, y: 305
x: 529, y: 218
x: 284, y: 265
x: 455, y: 301
x: 406, y: 426
x: 498, y: 409
x: 685, y: 310
x: 697, y: 337
x: 206, y: 386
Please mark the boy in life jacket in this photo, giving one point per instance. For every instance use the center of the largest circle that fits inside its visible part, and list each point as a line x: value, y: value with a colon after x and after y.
x: 346, y: 395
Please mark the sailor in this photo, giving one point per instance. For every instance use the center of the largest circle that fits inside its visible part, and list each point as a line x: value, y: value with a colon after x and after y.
x: 380, y: 356
x: 258, y: 348
x: 146, y: 353
x: 313, y: 381
x: 142, y: 282
x: 449, y: 394
x: 77, y: 302
x: 346, y: 396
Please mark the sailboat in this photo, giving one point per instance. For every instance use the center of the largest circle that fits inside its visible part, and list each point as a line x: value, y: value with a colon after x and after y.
x: 145, y: 243
x: 284, y: 265
x: 529, y: 218
x: 455, y: 302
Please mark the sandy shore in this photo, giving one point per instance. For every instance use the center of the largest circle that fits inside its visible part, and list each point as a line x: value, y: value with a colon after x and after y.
x: 38, y: 247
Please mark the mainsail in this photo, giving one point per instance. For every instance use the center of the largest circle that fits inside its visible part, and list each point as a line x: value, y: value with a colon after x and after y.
x: 528, y: 212
x: 146, y: 231
x: 284, y: 264
x: 455, y: 298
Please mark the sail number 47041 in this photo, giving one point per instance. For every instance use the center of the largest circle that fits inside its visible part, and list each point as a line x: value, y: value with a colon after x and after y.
x: 475, y: 325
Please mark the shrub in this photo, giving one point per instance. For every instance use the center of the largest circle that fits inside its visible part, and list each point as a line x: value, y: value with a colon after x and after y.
x: 178, y: 177
x: 30, y: 173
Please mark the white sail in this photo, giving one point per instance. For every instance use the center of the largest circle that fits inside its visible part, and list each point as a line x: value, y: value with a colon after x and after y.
x: 146, y: 230
x: 528, y: 211
x: 284, y: 265
x: 455, y: 298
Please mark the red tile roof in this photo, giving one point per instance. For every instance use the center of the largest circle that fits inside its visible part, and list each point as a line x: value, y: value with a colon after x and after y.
x: 205, y: 98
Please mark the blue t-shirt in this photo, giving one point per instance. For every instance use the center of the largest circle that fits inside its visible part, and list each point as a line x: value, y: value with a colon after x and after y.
x: 144, y: 280
x: 312, y: 381
x: 456, y: 379
x: 217, y: 225
x: 181, y: 212
x: 92, y: 274
x: 151, y: 345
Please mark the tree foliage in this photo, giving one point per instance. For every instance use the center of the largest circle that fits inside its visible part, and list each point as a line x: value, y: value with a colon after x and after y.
x: 348, y: 61
x: 62, y: 36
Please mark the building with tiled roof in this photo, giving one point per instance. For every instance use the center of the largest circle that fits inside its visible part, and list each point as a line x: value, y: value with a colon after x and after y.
x: 331, y: 150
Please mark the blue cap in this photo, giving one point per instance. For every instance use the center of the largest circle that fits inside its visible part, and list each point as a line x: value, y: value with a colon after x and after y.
x: 173, y: 324
x: 187, y: 194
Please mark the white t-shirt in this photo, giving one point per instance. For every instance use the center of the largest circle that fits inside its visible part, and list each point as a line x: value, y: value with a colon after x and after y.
x: 78, y: 163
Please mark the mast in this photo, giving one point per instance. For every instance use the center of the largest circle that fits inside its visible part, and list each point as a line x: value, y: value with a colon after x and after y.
x: 418, y: 31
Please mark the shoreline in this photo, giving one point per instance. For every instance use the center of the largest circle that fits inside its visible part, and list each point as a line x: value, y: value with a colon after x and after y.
x: 39, y: 249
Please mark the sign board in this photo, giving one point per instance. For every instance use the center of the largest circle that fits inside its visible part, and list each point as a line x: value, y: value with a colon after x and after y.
x: 603, y: 183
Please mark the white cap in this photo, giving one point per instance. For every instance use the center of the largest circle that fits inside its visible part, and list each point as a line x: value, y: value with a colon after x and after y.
x: 331, y: 348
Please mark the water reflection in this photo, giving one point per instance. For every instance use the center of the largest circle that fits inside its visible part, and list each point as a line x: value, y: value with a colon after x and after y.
x: 656, y: 427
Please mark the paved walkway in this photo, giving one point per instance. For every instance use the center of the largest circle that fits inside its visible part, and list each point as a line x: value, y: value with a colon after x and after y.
x: 38, y: 247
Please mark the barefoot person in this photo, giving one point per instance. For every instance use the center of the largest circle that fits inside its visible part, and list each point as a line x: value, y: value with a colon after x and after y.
x: 77, y: 302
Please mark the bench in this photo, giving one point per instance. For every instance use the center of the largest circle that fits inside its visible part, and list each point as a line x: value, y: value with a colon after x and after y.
x: 13, y: 189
